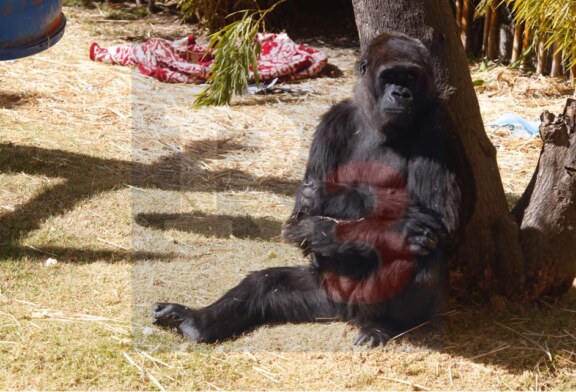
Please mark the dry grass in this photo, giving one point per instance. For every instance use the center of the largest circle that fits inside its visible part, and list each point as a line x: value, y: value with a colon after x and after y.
x: 140, y: 199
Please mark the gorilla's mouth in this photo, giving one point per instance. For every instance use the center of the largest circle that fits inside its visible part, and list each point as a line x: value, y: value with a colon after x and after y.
x: 397, y: 110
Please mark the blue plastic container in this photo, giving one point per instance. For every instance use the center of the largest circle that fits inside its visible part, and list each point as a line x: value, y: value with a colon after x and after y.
x: 29, y: 26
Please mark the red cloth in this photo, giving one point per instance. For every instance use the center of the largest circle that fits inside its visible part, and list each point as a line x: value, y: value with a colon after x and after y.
x: 183, y: 61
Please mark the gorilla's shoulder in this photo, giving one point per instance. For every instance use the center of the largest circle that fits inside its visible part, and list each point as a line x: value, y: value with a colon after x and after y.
x: 339, y: 120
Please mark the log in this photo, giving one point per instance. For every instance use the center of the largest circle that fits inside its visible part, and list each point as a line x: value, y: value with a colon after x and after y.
x: 546, y: 212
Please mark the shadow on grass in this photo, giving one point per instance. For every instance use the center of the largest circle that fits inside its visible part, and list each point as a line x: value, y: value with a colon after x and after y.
x: 529, y: 337
x: 11, y: 100
x: 521, y: 339
x: 87, y: 176
x: 221, y: 226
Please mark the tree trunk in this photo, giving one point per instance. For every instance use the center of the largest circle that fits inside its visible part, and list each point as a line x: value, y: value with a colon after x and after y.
x: 506, y: 36
x: 486, y: 32
x: 556, y: 70
x: 491, y: 257
x: 464, y: 22
x: 458, y: 15
x: 528, y: 60
x: 493, y: 34
x: 517, y: 46
x: 547, y: 209
x: 542, y: 64
x: 475, y: 36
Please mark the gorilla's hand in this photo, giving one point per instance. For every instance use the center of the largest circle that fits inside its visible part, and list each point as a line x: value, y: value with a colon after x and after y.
x: 422, y: 231
x: 310, y: 197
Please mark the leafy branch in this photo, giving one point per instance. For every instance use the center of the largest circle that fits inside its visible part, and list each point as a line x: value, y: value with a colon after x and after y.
x: 236, y: 51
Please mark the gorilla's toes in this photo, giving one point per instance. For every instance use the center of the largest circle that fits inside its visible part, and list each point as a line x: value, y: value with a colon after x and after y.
x: 372, y: 336
x: 300, y: 232
x: 310, y: 197
x: 423, y: 243
x: 170, y: 315
x: 178, y: 317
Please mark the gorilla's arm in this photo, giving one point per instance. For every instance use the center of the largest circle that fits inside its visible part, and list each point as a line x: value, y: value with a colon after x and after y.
x: 331, y: 148
x: 436, y: 209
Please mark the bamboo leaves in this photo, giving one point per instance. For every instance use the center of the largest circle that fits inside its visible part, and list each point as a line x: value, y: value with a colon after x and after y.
x: 236, y: 52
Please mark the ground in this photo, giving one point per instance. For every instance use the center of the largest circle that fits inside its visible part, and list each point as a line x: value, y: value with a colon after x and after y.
x: 140, y: 198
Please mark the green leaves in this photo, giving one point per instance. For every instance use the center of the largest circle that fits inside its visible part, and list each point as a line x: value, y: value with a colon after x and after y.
x: 552, y: 21
x: 236, y: 52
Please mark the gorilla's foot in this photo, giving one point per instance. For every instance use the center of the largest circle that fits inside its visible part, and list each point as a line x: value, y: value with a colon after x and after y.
x: 177, y: 317
x: 372, y: 335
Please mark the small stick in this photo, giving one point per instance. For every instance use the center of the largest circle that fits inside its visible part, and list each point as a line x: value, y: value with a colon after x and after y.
x: 112, y: 243
x: 131, y: 361
x: 410, y: 330
x: 277, y: 355
x: 214, y: 386
x: 250, y: 355
x: 155, y: 360
x: 422, y: 387
x: 503, y: 347
x: 155, y: 381
x: 265, y: 374
x: 12, y: 317
x: 544, y: 349
x: 39, y: 250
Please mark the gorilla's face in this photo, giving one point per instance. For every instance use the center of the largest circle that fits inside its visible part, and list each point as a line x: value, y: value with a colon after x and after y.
x: 395, y: 82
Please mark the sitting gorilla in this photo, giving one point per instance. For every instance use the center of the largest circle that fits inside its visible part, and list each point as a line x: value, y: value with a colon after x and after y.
x: 382, y: 204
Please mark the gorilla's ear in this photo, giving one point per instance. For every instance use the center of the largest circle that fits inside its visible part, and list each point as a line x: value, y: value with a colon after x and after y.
x: 363, y: 66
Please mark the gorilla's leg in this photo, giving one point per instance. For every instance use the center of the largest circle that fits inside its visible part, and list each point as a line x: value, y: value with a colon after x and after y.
x: 274, y: 295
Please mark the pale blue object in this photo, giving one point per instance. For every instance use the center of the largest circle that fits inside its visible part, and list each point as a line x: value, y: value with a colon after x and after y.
x: 29, y: 26
x: 519, y: 126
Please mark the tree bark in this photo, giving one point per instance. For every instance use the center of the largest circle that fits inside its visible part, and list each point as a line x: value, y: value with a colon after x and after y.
x: 506, y: 35
x: 528, y: 60
x: 517, y: 46
x: 556, y: 70
x: 547, y: 209
x: 458, y: 15
x: 493, y: 34
x: 475, y: 34
x: 464, y: 22
x: 486, y: 32
x: 542, y: 63
x: 490, y: 258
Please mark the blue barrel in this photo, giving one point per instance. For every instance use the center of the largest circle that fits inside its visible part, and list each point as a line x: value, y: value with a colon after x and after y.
x: 29, y: 26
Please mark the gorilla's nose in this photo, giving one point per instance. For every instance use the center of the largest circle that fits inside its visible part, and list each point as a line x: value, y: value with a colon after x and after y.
x: 402, y: 93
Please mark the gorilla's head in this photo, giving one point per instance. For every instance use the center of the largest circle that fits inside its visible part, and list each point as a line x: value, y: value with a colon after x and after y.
x: 395, y: 83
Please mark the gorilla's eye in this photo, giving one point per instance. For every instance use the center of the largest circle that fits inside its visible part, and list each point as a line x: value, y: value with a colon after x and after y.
x: 363, y: 66
x: 410, y: 75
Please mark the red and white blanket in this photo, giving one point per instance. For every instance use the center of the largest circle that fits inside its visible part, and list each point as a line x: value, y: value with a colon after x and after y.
x: 183, y: 61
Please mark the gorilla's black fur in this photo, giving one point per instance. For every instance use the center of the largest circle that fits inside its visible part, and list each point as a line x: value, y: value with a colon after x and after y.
x: 381, y: 206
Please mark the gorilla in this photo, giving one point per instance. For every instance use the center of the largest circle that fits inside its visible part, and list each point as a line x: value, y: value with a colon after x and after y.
x: 385, y: 198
